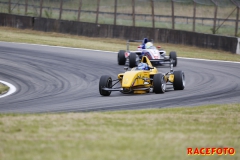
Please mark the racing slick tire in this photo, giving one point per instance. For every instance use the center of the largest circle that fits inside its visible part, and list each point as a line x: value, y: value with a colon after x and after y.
x: 105, y: 81
x: 173, y: 56
x: 159, y: 83
x: 179, y: 80
x: 132, y: 60
x: 121, y: 57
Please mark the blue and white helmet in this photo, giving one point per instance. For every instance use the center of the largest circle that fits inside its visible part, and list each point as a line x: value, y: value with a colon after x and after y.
x: 142, y: 66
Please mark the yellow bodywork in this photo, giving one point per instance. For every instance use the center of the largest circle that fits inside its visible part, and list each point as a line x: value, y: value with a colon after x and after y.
x: 170, y: 78
x: 135, y: 78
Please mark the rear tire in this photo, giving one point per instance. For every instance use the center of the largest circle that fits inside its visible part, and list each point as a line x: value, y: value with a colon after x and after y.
x: 132, y: 60
x: 105, y: 81
x: 179, y: 80
x: 173, y: 56
x: 159, y: 83
x: 121, y: 57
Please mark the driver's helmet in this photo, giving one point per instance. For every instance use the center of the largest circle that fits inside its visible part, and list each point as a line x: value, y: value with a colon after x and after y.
x: 148, y: 45
x: 142, y: 66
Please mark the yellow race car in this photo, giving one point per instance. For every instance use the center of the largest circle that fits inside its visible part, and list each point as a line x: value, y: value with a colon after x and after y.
x: 142, y: 79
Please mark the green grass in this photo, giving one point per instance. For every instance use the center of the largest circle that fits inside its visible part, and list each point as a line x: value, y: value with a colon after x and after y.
x: 3, y: 88
x: 57, y: 39
x: 144, y: 134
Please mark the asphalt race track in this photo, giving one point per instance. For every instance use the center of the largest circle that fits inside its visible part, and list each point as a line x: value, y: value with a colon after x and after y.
x: 56, y: 79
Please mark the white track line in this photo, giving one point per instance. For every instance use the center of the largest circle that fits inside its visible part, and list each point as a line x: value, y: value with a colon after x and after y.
x: 208, y: 60
x: 114, y: 52
x: 12, y: 89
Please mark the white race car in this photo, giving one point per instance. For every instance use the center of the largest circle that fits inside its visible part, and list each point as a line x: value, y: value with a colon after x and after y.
x: 157, y: 56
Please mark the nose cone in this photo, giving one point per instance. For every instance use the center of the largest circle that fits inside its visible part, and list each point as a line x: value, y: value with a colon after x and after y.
x: 129, y: 77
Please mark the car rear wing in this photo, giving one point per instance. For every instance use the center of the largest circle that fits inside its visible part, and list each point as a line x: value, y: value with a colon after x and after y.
x: 164, y: 61
x: 131, y: 40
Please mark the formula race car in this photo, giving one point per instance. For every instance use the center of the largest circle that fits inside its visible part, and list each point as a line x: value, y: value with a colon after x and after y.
x: 142, y: 79
x: 156, y: 56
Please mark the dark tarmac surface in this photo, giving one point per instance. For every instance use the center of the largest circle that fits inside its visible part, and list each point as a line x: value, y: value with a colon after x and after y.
x: 56, y: 79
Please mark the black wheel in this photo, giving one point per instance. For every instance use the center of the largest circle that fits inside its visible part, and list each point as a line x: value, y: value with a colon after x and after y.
x: 159, y: 83
x: 179, y: 80
x: 121, y: 57
x: 173, y: 56
x: 105, y: 81
x: 132, y: 60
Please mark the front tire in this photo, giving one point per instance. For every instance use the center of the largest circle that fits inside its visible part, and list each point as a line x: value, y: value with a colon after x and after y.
x: 121, y: 57
x: 159, y: 83
x: 179, y: 80
x: 132, y: 60
x: 173, y: 56
x: 105, y: 82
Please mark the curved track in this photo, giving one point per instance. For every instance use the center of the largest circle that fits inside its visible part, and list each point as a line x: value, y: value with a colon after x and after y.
x: 55, y: 79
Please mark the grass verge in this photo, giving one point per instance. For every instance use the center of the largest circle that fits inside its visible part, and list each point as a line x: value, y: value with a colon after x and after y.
x: 3, y: 88
x: 144, y: 134
x: 57, y: 39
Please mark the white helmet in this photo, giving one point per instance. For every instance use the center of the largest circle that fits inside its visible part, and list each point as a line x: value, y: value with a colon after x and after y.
x: 148, y: 45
